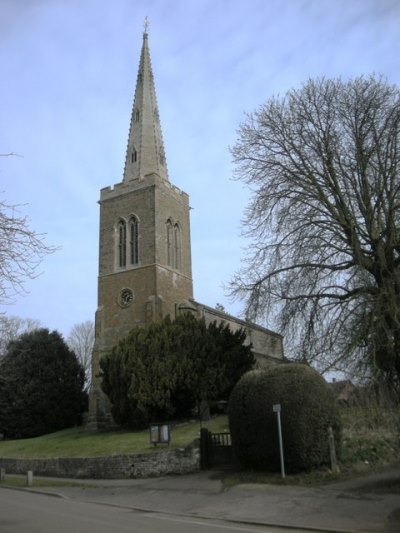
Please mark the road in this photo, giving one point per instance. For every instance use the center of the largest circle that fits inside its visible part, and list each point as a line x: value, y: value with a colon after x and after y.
x: 27, y: 512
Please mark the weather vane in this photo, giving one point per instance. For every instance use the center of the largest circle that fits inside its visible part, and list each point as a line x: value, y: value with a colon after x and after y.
x: 146, y: 24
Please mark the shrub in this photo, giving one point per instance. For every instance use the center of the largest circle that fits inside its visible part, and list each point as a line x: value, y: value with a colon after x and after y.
x: 308, y: 408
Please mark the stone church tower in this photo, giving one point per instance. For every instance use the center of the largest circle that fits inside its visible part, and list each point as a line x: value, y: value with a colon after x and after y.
x: 145, y: 270
x: 144, y: 254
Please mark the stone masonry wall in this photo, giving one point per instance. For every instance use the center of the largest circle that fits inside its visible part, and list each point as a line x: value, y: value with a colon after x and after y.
x: 267, y: 344
x: 159, y: 463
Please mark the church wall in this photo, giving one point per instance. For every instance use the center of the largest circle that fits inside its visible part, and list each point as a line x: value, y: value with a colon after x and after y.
x: 155, y: 289
x: 173, y: 204
x: 172, y: 288
x: 119, y: 319
x: 139, y: 202
x: 156, y: 286
x: 267, y: 345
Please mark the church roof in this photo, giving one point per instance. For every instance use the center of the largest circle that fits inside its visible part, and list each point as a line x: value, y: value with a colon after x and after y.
x: 145, y: 151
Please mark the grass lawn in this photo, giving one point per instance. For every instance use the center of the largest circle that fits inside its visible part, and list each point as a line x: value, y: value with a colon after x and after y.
x: 78, y: 442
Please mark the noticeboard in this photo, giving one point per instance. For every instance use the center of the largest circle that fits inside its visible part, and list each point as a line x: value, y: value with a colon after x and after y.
x: 160, y: 434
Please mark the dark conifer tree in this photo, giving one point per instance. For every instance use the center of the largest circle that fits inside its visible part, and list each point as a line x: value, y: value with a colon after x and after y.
x: 41, y: 386
x: 164, y: 370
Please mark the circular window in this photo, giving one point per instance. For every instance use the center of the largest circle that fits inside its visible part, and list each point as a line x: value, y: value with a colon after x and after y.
x: 126, y: 297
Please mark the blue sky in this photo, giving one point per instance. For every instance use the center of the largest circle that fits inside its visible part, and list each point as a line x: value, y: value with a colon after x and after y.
x: 68, y: 77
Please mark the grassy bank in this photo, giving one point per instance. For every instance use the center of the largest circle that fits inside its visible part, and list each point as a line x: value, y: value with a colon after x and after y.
x: 78, y: 442
x: 370, y: 438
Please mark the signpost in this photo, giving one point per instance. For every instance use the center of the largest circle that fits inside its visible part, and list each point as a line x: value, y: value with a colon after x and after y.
x: 277, y: 409
x: 332, y: 450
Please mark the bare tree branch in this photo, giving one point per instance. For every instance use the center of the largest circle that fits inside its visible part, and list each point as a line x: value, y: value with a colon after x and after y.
x: 12, y: 327
x: 11, y: 154
x: 81, y: 341
x: 324, y: 216
x: 21, y: 251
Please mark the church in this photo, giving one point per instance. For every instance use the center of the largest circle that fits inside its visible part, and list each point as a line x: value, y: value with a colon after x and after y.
x: 145, y: 270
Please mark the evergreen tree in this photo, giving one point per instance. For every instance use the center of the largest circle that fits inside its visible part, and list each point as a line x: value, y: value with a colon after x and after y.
x: 164, y: 370
x: 41, y: 386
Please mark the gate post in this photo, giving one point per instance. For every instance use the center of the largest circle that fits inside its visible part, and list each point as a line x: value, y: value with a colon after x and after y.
x: 204, y: 449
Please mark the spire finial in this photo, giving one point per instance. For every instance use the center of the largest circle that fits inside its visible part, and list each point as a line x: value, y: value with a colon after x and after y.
x: 146, y: 25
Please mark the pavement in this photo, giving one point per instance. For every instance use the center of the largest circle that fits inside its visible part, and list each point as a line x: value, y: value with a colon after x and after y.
x: 358, y: 505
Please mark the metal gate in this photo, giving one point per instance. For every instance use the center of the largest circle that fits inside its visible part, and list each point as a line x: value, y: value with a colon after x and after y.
x: 215, y: 449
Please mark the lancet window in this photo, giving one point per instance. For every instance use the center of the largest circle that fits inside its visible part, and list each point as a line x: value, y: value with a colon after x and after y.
x: 174, y: 245
x: 170, y: 237
x: 122, y: 243
x: 133, y: 240
x: 177, y: 250
x: 128, y: 242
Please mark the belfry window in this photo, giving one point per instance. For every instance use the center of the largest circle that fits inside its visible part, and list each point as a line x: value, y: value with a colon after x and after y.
x: 133, y: 156
x: 174, y: 245
x: 133, y: 240
x: 137, y: 115
x: 121, y: 243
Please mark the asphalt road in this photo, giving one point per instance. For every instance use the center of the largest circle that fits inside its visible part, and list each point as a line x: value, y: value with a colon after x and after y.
x: 26, y: 512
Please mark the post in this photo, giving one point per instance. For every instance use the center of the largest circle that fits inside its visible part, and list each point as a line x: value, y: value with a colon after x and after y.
x: 332, y: 451
x: 2, y: 474
x: 204, y: 446
x: 277, y: 409
x: 29, y: 478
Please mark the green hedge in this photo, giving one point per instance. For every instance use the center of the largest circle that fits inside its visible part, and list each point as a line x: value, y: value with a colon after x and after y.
x: 308, y: 408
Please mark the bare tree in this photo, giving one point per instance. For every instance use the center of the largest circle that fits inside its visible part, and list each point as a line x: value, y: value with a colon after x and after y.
x: 21, y: 251
x: 81, y: 340
x: 323, y: 165
x: 12, y: 327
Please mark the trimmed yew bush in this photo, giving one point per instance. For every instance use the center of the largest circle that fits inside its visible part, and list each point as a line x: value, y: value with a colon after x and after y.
x: 308, y: 408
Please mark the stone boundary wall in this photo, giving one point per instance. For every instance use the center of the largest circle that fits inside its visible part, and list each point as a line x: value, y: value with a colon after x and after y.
x: 158, y: 463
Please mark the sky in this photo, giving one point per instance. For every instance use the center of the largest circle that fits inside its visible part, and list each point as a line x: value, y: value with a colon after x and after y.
x: 68, y: 74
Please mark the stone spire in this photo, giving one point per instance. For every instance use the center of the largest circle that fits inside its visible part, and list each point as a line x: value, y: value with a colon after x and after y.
x: 145, y: 153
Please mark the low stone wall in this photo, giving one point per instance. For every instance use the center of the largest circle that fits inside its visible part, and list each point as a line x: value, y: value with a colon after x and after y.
x: 158, y: 463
